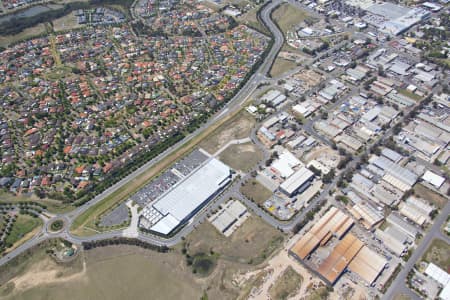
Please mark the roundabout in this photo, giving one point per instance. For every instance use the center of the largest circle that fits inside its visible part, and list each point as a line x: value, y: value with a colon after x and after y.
x: 55, y: 226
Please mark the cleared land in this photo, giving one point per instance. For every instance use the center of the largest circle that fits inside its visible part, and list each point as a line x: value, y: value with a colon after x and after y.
x: 242, y: 157
x: 438, y: 253
x: 287, y: 16
x: 251, y: 243
x: 286, y: 285
x: 238, y: 127
x: 255, y: 191
x: 427, y: 194
x: 110, y: 273
x: 85, y: 223
x: 21, y: 227
x: 280, y: 66
x: 250, y: 19
x: 67, y: 22
x: 119, y: 272
x: 320, y: 293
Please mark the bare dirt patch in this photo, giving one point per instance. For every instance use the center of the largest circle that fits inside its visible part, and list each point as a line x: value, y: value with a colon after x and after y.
x: 238, y: 127
x: 242, y: 157
x: 427, y: 194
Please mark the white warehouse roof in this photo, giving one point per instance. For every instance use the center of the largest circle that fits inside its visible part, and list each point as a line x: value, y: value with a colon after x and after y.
x: 433, y: 179
x: 297, y: 179
x: 179, y: 203
x: 437, y: 274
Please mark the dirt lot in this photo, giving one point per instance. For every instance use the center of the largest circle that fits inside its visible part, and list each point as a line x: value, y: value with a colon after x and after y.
x: 238, y: 127
x: 288, y: 16
x: 438, y: 253
x: 280, y: 66
x: 251, y: 243
x: 255, y: 191
x: 66, y: 23
x: 427, y: 194
x: 242, y: 157
x: 128, y: 272
x: 120, y: 272
x: 286, y: 285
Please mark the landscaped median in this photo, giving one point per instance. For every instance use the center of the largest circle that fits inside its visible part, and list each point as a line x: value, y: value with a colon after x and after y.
x: 84, y: 224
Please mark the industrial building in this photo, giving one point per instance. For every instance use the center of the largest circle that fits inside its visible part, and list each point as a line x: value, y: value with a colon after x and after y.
x: 367, y: 264
x: 433, y: 179
x: 391, y: 243
x: 394, y: 174
x: 175, y: 207
x: 285, y: 163
x: 366, y: 214
x: 230, y: 216
x: 333, y: 223
x: 351, y: 253
x: 402, y: 226
x: 442, y: 277
x: 335, y: 264
x: 416, y: 210
x: 297, y: 182
x: 394, y: 19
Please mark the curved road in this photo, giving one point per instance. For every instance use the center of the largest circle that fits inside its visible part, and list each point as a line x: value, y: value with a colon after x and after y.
x: 234, y: 104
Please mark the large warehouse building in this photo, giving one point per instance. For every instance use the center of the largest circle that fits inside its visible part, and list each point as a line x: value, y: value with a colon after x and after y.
x: 333, y: 223
x: 181, y: 202
x: 349, y: 253
x: 297, y: 182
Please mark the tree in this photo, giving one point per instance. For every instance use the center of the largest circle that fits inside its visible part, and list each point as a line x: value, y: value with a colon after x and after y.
x: 327, y: 178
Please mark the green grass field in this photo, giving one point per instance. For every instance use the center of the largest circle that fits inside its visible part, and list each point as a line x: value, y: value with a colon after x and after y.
x: 286, y: 285
x: 6, y: 40
x: 255, y: 191
x: 23, y: 225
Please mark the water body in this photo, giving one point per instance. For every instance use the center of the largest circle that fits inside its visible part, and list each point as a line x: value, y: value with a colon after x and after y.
x: 30, y: 12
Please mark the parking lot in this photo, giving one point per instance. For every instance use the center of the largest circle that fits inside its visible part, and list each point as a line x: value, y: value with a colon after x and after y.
x: 169, y: 178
